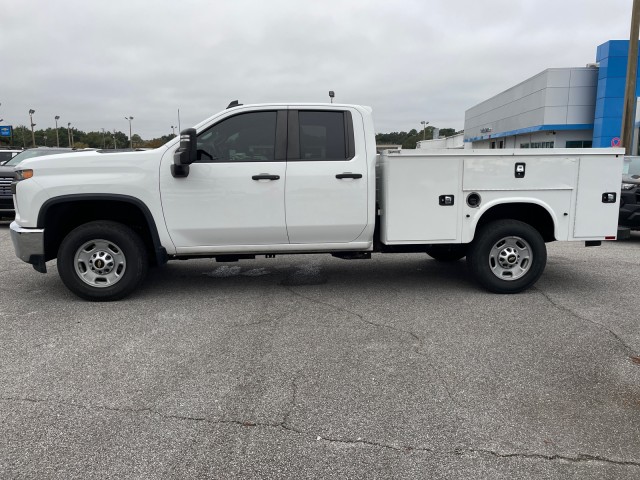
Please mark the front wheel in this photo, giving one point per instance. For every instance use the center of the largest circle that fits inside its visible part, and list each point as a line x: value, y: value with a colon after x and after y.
x: 102, y: 261
x: 507, y: 256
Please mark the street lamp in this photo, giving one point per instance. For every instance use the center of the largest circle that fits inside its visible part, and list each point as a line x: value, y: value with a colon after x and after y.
x: 69, y: 133
x: 424, y: 129
x: 115, y: 144
x: 45, y: 140
x: 104, y: 143
x: 57, y: 117
x: 33, y: 135
x: 173, y: 131
x: 130, y: 137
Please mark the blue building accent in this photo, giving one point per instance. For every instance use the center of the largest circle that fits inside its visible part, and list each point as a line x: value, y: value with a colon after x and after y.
x: 612, y: 75
x: 537, y: 128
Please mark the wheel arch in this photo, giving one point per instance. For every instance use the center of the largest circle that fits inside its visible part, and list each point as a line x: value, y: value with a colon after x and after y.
x: 531, y: 211
x: 59, y: 215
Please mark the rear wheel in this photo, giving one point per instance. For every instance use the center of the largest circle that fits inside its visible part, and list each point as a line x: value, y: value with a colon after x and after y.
x: 102, y: 261
x: 507, y: 256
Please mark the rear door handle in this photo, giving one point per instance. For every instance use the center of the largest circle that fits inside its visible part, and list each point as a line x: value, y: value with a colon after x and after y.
x: 340, y: 176
x: 266, y: 176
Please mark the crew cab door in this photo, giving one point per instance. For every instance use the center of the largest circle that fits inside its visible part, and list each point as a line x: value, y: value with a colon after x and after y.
x: 234, y: 193
x: 327, y: 181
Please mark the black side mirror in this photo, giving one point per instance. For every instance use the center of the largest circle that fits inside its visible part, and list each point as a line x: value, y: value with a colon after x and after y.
x: 185, y: 154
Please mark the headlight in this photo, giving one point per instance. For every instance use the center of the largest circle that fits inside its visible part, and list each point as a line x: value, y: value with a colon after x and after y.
x: 625, y: 186
x: 23, y: 174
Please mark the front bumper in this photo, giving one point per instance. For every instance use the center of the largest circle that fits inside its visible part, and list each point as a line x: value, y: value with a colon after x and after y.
x: 28, y: 244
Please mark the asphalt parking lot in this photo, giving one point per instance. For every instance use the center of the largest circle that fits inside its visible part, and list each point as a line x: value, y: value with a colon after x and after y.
x: 315, y: 367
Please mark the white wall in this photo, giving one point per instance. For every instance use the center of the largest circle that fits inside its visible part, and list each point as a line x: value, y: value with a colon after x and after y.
x: 557, y: 96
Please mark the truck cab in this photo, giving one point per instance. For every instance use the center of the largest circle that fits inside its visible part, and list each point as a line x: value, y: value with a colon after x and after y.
x: 284, y: 178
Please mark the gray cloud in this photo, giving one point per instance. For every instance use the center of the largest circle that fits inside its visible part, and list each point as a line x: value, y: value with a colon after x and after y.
x: 92, y: 63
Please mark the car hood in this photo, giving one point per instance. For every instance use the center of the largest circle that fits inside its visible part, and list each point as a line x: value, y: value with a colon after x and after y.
x: 634, y: 179
x: 7, y: 171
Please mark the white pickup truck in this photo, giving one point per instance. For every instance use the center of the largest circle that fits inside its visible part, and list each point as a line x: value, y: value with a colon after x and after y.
x: 305, y: 178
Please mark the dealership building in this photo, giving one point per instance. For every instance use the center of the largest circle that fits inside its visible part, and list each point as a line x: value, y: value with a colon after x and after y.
x: 557, y: 108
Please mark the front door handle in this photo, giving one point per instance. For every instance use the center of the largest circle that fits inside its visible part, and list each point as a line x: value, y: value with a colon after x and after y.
x: 340, y: 176
x: 266, y: 176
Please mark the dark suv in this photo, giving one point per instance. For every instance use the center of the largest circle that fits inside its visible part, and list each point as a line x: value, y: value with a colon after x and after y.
x: 7, y: 175
x: 630, y: 194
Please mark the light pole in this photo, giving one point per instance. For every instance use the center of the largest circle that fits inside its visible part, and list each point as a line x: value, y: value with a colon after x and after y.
x: 115, y: 144
x: 45, y: 140
x: 57, y: 117
x: 173, y: 131
x: 33, y: 135
x: 130, y: 137
x: 69, y: 133
x: 103, y: 140
x: 424, y: 129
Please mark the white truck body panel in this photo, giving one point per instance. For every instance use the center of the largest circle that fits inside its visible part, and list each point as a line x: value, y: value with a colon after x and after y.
x: 568, y: 183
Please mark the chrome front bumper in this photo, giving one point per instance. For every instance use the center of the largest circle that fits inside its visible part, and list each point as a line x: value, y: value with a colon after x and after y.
x: 28, y: 244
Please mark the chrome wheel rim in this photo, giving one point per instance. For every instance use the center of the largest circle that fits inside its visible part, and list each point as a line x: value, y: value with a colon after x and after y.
x: 100, y: 263
x: 510, y: 258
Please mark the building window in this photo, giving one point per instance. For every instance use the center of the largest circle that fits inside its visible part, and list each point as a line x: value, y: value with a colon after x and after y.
x: 537, y: 145
x: 493, y: 144
x: 579, y: 143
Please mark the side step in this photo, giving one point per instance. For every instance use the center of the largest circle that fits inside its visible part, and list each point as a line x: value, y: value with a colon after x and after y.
x: 352, y: 255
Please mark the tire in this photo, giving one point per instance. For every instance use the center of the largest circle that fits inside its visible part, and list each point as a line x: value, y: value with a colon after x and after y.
x: 447, y: 252
x: 507, y: 256
x: 102, y: 261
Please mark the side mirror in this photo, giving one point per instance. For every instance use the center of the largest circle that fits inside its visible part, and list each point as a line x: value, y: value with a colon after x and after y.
x: 185, y: 154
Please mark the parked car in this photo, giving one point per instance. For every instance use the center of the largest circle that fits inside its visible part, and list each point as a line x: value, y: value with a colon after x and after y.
x: 630, y: 194
x: 7, y: 174
x: 7, y: 154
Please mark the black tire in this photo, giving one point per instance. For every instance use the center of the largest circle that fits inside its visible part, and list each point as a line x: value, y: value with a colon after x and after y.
x: 507, y: 256
x: 102, y: 261
x: 447, y: 252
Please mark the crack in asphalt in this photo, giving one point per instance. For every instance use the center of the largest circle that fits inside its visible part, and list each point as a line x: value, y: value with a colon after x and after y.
x: 405, y: 449
x: 585, y: 319
x: 359, y: 316
x: 574, y: 459
x: 417, y: 346
x: 264, y: 321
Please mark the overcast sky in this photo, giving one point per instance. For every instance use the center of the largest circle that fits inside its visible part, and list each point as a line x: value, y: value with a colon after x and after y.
x: 95, y: 62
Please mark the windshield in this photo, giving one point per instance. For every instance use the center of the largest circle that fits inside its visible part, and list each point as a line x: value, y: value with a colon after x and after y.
x: 31, y: 154
x: 4, y: 156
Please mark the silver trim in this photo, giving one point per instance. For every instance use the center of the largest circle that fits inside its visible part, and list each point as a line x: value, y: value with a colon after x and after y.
x: 27, y: 242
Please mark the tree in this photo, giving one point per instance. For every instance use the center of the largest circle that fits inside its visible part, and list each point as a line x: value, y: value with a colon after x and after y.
x: 411, y: 139
x: 136, y: 140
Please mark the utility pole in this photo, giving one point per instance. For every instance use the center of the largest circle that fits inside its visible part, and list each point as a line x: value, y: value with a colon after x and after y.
x: 33, y: 135
x: 424, y: 129
x: 69, y: 133
x: 57, y: 117
x: 130, y: 136
x: 628, y: 114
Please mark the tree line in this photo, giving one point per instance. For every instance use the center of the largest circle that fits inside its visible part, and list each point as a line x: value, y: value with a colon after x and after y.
x: 411, y: 138
x: 78, y: 139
